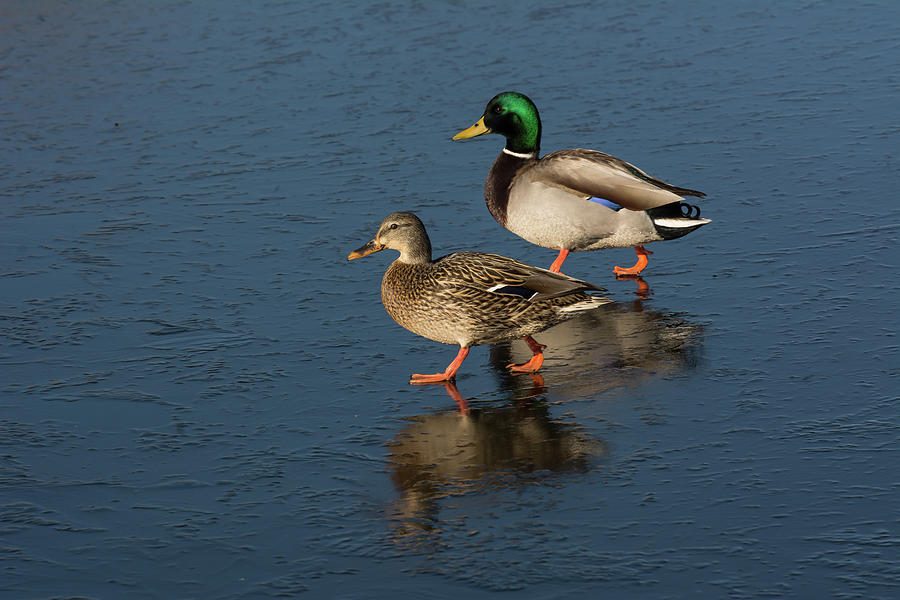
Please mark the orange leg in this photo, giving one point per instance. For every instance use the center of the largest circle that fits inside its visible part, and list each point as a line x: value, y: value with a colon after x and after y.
x: 557, y: 264
x: 448, y: 374
x: 642, y: 255
x: 536, y: 361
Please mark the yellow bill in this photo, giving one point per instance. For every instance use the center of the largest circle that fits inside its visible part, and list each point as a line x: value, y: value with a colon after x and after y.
x: 475, y: 130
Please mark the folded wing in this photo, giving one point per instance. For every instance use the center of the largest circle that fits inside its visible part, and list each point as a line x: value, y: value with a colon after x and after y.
x: 589, y: 173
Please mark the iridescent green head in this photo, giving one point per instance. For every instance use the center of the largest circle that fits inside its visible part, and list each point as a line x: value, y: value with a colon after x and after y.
x: 515, y: 117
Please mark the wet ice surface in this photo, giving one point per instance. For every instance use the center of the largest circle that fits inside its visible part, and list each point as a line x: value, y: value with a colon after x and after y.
x: 201, y: 398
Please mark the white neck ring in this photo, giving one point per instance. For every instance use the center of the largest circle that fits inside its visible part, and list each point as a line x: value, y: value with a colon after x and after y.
x: 520, y: 154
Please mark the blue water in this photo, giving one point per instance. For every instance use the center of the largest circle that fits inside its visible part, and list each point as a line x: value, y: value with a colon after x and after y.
x: 201, y: 398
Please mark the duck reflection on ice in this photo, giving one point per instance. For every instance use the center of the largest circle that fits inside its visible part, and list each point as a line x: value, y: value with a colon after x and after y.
x: 619, y: 345
x: 476, y: 449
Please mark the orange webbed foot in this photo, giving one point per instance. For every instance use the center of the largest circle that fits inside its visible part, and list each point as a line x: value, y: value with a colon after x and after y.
x: 433, y: 378
x: 639, y: 266
x: 449, y: 373
x: 533, y: 365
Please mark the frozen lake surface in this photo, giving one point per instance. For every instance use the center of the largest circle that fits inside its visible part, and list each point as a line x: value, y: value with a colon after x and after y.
x: 201, y: 398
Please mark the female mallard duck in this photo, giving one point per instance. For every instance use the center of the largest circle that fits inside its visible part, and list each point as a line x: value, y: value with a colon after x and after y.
x: 470, y: 298
x: 573, y: 200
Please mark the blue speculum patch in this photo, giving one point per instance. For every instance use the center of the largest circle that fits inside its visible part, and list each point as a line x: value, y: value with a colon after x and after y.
x: 606, y: 203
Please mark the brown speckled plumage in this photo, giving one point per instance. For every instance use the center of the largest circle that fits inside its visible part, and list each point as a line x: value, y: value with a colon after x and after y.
x: 448, y: 300
x: 470, y: 298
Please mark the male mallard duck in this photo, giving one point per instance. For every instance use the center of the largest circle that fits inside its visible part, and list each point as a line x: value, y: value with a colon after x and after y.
x: 573, y: 200
x: 470, y: 298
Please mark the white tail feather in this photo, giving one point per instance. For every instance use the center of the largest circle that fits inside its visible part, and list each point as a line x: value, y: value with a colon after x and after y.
x: 594, y: 302
x: 678, y: 223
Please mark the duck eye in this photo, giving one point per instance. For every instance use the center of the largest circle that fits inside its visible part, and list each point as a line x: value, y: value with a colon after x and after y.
x: 393, y: 226
x: 498, y: 109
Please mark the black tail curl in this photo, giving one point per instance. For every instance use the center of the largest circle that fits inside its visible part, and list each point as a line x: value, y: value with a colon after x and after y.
x: 675, y: 210
x: 689, y: 211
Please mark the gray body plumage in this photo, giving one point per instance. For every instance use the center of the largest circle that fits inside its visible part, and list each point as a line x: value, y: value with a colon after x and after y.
x: 547, y: 200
